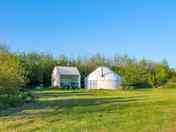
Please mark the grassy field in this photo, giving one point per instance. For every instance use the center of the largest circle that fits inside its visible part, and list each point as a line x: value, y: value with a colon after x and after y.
x: 149, y: 110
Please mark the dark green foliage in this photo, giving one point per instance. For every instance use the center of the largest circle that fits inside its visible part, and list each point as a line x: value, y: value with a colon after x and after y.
x: 12, y: 80
x: 171, y: 83
x: 39, y: 67
x: 17, y: 99
x: 143, y: 73
x: 135, y: 73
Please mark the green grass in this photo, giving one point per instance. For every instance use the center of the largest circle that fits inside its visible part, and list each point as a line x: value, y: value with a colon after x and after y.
x: 149, y: 110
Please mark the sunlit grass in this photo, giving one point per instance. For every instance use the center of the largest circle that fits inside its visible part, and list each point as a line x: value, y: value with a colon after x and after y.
x: 146, y: 110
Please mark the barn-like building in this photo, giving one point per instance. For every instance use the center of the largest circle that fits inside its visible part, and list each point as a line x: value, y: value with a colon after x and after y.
x: 66, y: 77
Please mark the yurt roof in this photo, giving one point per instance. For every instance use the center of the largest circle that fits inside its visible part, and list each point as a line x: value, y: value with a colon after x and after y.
x: 103, y: 73
x: 67, y: 70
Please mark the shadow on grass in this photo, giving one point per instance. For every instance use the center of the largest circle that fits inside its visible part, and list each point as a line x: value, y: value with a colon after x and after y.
x: 63, y: 94
x: 68, y: 104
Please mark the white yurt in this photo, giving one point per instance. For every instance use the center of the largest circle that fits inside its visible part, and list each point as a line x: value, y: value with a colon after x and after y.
x: 103, y: 78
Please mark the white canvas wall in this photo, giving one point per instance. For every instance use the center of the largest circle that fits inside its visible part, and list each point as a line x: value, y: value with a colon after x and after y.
x: 109, y: 80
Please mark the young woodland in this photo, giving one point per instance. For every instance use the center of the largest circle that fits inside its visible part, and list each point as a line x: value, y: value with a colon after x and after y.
x: 20, y: 72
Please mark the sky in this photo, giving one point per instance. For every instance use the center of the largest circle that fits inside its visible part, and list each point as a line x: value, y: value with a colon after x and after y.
x: 139, y: 28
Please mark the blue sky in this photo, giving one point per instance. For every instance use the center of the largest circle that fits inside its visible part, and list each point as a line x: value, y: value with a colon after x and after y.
x: 140, y: 28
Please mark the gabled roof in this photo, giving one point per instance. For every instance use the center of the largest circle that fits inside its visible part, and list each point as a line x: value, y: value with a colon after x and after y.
x: 67, y: 70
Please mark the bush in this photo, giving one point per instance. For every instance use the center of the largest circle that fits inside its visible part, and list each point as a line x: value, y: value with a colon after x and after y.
x: 12, y: 80
x: 171, y: 83
x: 15, y: 100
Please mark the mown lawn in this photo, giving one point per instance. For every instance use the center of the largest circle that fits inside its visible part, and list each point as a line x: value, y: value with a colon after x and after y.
x: 150, y: 110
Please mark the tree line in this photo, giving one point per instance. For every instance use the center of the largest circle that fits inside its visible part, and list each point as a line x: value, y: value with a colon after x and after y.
x: 135, y: 73
x: 29, y: 70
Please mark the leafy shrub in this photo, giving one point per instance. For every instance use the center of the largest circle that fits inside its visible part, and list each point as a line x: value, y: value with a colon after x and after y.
x: 170, y: 85
x: 17, y: 99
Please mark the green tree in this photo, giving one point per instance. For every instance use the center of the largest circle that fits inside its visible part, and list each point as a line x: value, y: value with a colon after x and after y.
x: 11, y: 73
x: 63, y: 60
x: 39, y: 67
x: 143, y: 73
x: 158, y: 75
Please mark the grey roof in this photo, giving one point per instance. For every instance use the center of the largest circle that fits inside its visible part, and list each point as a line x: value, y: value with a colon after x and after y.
x: 67, y: 70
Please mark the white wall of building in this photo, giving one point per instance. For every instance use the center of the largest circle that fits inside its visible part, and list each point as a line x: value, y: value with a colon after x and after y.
x: 103, y: 78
